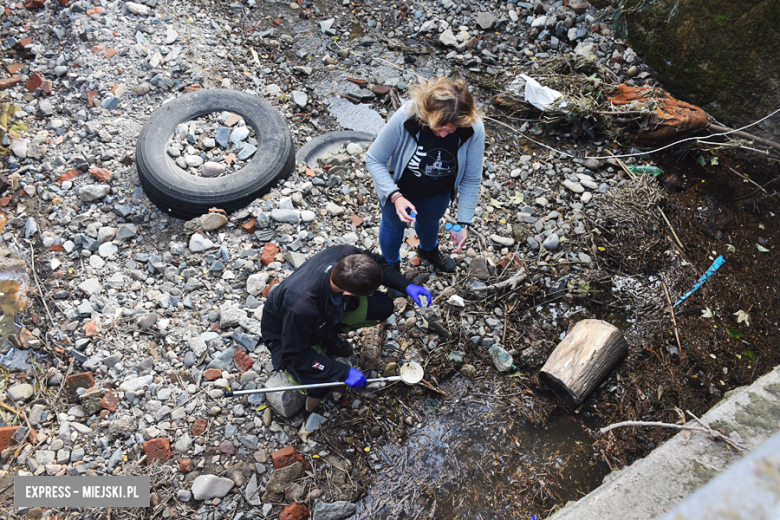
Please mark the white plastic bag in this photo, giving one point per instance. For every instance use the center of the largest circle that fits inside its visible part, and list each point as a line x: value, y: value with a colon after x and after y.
x: 543, y: 98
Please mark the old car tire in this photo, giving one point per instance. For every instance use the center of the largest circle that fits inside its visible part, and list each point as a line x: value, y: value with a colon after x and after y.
x: 183, y: 195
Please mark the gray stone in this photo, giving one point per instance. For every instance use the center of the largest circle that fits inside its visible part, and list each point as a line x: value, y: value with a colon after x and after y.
x: 295, y: 259
x: 183, y: 443
x: 252, y: 492
x: 282, y: 478
x: 212, y: 169
x: 334, y: 511
x: 246, y: 152
x: 197, y: 345
x: 314, y: 421
x: 224, y: 360
x: 299, y: 98
x: 448, y: 39
x: 576, y: 187
x: 211, y: 486
x: 230, y: 315
x: 20, y: 392
x: 285, y: 404
x: 551, y: 243
x: 93, y: 192
x: 199, y: 243
x: 184, y: 495
x: 285, y: 215
x: 486, y: 21
x: 125, y: 231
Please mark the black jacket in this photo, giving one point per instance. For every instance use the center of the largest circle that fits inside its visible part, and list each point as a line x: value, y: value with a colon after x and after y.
x: 299, y: 313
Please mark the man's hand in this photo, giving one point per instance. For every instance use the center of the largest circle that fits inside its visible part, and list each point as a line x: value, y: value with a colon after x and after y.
x: 355, y: 378
x: 401, y: 206
x: 415, y: 291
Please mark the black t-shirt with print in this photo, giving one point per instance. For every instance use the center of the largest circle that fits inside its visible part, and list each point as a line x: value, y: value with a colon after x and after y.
x: 433, y: 168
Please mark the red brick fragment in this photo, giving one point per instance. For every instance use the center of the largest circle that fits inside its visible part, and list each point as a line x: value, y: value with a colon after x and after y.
x: 110, y: 53
x: 249, y: 226
x: 110, y: 401
x: 97, y: 48
x: 10, y: 82
x: 33, y: 82
x: 95, y: 10
x: 199, y: 426
x: 212, y: 373
x: 90, y: 328
x: 5, y: 201
x: 357, y: 81
x: 243, y: 360
x: 310, y: 172
x: 46, y: 86
x: 6, y: 433
x: 92, y: 98
x: 157, y: 450
x: 58, y: 248
x: 295, y: 512
x: 186, y: 466
x: 286, y: 456
x: 270, y: 251
x: 24, y: 42
x: 381, y: 90
x: 100, y: 174
x: 264, y: 292
x: 192, y: 88
x: 356, y: 221
x: 67, y: 176
x: 14, y: 68
x: 76, y: 381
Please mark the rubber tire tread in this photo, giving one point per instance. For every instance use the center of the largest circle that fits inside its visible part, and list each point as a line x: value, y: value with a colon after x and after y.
x: 186, y: 196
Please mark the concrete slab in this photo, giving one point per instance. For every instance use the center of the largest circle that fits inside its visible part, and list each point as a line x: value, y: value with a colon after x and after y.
x: 651, y: 487
x: 748, y: 489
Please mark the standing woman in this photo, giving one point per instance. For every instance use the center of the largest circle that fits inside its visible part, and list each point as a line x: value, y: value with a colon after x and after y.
x: 428, y: 153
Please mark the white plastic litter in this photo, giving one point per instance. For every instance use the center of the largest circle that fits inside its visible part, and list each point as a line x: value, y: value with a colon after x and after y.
x: 543, y: 98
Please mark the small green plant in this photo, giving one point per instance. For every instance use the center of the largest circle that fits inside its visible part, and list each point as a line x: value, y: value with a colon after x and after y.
x: 750, y: 356
x: 734, y: 333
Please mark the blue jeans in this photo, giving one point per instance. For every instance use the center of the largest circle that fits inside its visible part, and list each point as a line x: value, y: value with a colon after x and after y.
x: 429, y: 214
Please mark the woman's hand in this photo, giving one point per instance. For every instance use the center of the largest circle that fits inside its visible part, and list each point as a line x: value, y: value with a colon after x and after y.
x: 401, y: 206
x: 459, y: 238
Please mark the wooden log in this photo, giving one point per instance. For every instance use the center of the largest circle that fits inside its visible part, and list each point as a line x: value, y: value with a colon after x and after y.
x: 585, y: 357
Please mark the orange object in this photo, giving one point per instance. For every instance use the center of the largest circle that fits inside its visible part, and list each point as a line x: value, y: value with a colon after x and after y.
x: 671, y: 120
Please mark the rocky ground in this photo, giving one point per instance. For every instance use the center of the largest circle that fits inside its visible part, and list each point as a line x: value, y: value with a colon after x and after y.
x: 143, y: 321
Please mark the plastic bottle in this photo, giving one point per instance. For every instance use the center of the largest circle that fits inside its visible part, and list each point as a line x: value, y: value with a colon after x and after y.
x: 646, y: 169
x: 452, y: 229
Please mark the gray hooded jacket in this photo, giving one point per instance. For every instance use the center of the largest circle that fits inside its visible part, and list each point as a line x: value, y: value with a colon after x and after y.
x: 396, y: 144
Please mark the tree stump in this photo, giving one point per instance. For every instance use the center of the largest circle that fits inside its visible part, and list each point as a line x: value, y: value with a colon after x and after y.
x: 586, y: 356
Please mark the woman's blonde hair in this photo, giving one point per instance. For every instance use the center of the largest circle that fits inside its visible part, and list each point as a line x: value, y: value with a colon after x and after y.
x: 443, y: 101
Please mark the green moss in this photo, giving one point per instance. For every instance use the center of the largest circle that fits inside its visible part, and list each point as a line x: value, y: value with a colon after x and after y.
x: 760, y: 413
x: 719, y: 54
x: 724, y: 426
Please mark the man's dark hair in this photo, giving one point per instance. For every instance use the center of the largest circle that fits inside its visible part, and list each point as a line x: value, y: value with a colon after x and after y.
x: 358, y: 274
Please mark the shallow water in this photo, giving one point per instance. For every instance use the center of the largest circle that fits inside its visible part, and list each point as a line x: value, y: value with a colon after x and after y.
x: 476, y: 456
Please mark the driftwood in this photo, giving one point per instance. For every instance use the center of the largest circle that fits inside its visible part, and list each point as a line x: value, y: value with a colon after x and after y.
x: 509, y: 283
x: 590, y: 351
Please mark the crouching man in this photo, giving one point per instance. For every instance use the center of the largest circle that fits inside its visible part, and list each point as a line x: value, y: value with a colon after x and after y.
x: 331, y: 293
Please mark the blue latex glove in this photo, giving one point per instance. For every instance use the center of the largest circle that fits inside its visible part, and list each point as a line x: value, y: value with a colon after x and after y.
x: 415, y: 291
x: 355, y: 378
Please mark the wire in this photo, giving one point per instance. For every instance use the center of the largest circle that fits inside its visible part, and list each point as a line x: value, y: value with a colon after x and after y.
x: 402, y: 69
x: 631, y: 154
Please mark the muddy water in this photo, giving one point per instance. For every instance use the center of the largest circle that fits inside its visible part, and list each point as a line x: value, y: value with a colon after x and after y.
x: 477, y: 456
